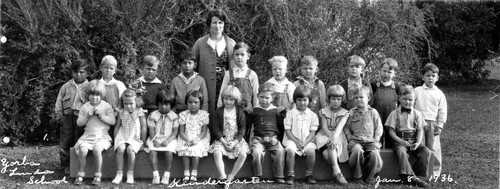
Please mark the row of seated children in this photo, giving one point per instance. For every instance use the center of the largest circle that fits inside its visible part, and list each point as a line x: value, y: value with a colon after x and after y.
x: 277, y: 72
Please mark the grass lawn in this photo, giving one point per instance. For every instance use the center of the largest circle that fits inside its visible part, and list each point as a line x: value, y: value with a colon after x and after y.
x: 470, y: 143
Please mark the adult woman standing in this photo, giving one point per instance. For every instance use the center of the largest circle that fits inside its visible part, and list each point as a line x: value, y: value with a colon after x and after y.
x: 214, y: 53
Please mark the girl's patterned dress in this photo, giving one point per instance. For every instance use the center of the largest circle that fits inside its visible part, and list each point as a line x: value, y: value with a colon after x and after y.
x: 193, y: 128
x: 130, y: 130
x: 230, y: 130
x: 163, y: 125
x: 332, y: 120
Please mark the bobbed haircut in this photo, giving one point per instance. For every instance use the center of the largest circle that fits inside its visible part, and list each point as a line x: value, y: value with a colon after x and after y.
x: 335, y: 91
x: 267, y: 87
x: 216, y: 13
x: 79, y: 63
x: 129, y: 93
x: 406, y: 89
x: 109, y: 60
x: 165, y: 97
x: 194, y: 93
x: 302, y: 91
x: 430, y: 67
x: 232, y: 92
x: 392, y: 63
x: 96, y: 87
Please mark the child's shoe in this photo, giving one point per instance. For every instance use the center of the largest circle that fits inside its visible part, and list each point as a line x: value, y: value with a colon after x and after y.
x: 165, y: 180
x: 310, y: 179
x: 289, y: 180
x: 130, y: 177
x: 78, y: 181
x: 279, y: 180
x: 339, y: 178
x: 118, y: 178
x: 156, y: 179
x: 96, y: 181
x: 186, y: 179
x: 419, y: 182
x: 193, y: 179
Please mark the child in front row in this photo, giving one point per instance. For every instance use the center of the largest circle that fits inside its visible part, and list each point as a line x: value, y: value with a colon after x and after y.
x: 363, y: 131
x: 406, y: 127
x: 97, y: 116
x: 130, y: 134
x: 229, y: 127
x: 163, y: 127
x: 267, y: 128
x: 431, y: 102
x: 283, y: 99
x: 355, y: 66
x: 331, y: 139
x: 194, y: 137
x: 300, y: 128
x: 385, y: 95
x: 308, y: 69
x: 186, y: 81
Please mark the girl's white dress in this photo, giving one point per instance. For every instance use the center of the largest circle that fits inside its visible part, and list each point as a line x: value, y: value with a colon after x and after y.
x: 130, y: 130
x: 332, y: 120
x: 192, y: 129
x: 230, y: 130
x: 163, y: 125
x: 96, y: 131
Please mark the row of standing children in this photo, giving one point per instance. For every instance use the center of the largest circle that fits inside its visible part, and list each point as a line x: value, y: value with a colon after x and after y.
x: 251, y: 106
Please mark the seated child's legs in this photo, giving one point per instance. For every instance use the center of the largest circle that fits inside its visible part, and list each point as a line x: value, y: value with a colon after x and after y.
x: 278, y: 157
x: 131, y: 157
x: 242, y: 156
x: 154, y: 159
x: 220, y: 164
x: 258, y: 156
x: 403, y: 160
x: 82, y: 152
x: 97, y: 151
x: 356, y: 159
x: 373, y: 165
x: 310, y: 160
x: 423, y: 155
x: 120, y: 152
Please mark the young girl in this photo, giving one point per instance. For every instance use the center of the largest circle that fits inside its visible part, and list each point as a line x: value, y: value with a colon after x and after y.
x: 130, y: 134
x: 163, y: 126
x: 229, y: 126
x: 96, y: 116
x: 194, y: 137
x: 333, y: 119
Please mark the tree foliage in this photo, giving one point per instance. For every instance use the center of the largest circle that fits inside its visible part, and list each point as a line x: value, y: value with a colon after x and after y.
x: 45, y: 35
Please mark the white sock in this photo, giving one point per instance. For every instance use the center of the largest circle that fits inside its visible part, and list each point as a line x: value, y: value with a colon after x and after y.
x: 156, y: 174
x: 194, y: 173
x: 166, y: 174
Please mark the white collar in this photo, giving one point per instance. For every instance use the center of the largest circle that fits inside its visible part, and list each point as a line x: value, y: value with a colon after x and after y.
x: 187, y: 80
x: 156, y: 80
x: 271, y: 106
x: 276, y: 82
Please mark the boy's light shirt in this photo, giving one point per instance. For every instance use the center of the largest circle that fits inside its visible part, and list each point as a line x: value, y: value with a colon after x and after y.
x: 305, y: 81
x: 271, y: 106
x: 351, y: 83
x: 187, y: 80
x: 300, y: 123
x: 77, y: 104
x: 241, y: 73
x: 281, y: 86
x: 431, y: 102
x: 406, y: 120
x: 119, y: 84
x: 218, y: 46
x: 156, y: 80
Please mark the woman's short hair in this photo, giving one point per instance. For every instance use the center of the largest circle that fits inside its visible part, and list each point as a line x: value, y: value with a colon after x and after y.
x: 216, y: 13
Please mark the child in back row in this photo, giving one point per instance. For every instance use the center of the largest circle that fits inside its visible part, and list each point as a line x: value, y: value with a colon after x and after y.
x: 355, y: 81
x: 385, y: 95
x: 114, y: 88
x: 283, y: 99
x: 308, y: 69
x: 331, y: 139
x: 300, y: 128
x: 70, y: 99
x: 194, y: 137
x: 363, y: 131
x: 431, y: 102
x: 149, y: 83
x: 406, y: 127
x: 188, y: 80
x: 97, y: 116
x: 129, y: 133
x: 267, y: 126
x: 229, y: 127
x: 163, y: 125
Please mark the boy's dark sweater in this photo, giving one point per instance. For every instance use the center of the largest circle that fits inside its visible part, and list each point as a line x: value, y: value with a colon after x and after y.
x: 267, y: 123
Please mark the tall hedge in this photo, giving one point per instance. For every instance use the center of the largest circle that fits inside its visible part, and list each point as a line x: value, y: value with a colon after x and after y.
x: 44, y: 36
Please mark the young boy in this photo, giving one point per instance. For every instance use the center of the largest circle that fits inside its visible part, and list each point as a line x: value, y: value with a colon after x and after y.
x: 188, y: 80
x: 385, y: 95
x: 355, y: 68
x: 152, y: 85
x: 70, y: 99
x: 300, y: 128
x: 363, y: 131
x: 114, y: 88
x: 406, y: 129
x: 431, y: 102
x: 284, y: 89
x: 308, y: 68
x: 267, y: 128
